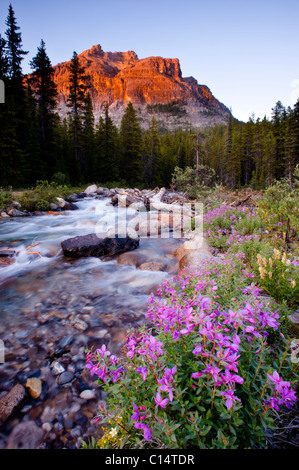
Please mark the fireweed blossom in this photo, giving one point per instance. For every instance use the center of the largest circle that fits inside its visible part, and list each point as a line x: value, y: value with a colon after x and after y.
x: 230, y: 398
x: 167, y: 381
x: 160, y: 401
x: 136, y: 416
x: 187, y: 314
x: 103, y: 351
x: 152, y: 347
x: 146, y: 430
x: 143, y: 371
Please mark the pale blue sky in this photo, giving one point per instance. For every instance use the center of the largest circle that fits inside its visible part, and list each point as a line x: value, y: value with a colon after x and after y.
x: 246, y: 52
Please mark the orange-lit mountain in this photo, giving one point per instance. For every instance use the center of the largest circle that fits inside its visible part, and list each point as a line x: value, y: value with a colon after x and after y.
x: 154, y: 85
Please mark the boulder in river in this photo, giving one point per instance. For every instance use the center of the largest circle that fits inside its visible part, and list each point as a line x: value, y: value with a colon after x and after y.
x: 92, y: 245
x: 193, y: 259
x: 17, y: 213
x: 92, y: 189
x: 60, y: 202
x: 70, y: 206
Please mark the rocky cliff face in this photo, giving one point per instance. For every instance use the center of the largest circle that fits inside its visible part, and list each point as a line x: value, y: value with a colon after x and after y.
x: 154, y: 85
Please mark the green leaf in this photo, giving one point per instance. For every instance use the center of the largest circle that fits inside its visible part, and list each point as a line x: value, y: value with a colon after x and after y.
x: 205, y: 431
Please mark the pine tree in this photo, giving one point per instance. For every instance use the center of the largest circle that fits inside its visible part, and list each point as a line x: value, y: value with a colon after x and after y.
x: 247, y: 160
x: 14, y: 48
x: 279, y: 128
x: 87, y: 140
x: 33, y: 165
x: 64, y: 148
x: 42, y: 80
x: 106, y: 164
x: 3, y: 59
x: 292, y: 142
x: 151, y: 155
x: 76, y: 103
x: 14, y: 121
x: 130, y: 134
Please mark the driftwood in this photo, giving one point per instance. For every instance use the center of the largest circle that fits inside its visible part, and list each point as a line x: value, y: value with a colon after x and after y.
x: 157, y: 197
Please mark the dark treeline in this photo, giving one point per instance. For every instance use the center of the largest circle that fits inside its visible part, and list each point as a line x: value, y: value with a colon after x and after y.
x: 37, y: 144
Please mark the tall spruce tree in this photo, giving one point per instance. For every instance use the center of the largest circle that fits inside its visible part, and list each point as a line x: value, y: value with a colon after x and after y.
x: 279, y: 128
x: 42, y: 80
x: 151, y: 155
x: 3, y: 59
x: 131, y: 141
x: 106, y: 163
x: 76, y: 103
x: 14, y: 119
x: 292, y: 142
x: 15, y: 52
x: 87, y: 140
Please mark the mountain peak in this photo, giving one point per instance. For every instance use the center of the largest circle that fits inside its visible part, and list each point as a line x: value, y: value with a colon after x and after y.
x: 152, y: 84
x: 95, y: 51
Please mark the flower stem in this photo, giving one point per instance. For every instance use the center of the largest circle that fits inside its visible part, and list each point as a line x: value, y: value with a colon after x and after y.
x: 259, y: 364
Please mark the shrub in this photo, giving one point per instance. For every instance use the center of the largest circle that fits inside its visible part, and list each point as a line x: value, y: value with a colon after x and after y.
x: 193, y: 181
x: 44, y: 193
x: 280, y: 207
x: 5, y: 199
x: 279, y: 276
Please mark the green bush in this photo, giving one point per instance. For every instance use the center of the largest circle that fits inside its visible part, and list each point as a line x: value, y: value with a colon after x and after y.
x: 194, y: 181
x: 44, y: 193
x: 5, y: 199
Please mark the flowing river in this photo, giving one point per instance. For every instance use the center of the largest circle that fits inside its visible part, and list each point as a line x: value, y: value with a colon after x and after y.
x: 53, y: 307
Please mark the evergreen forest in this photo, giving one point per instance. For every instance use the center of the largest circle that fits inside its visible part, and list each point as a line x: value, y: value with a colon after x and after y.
x: 37, y: 144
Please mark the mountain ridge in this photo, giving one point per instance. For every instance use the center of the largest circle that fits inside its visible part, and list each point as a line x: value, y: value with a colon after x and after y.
x: 151, y: 84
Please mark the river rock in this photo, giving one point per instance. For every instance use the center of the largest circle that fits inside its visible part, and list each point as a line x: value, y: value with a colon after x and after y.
x: 7, y: 253
x: 26, y: 435
x: 54, y: 207
x: 193, y: 259
x: 34, y: 387
x: 70, y: 206
x: 152, y: 266
x: 11, y: 401
x: 5, y: 262
x: 16, y: 213
x: 124, y: 200
x: 91, y: 189
x: 72, y: 197
x: 60, y: 202
x: 4, y: 215
x: 131, y: 258
x: 57, y: 368
x: 92, y: 245
x: 65, y: 377
x: 88, y: 394
x: 79, y: 324
x: 196, y: 243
